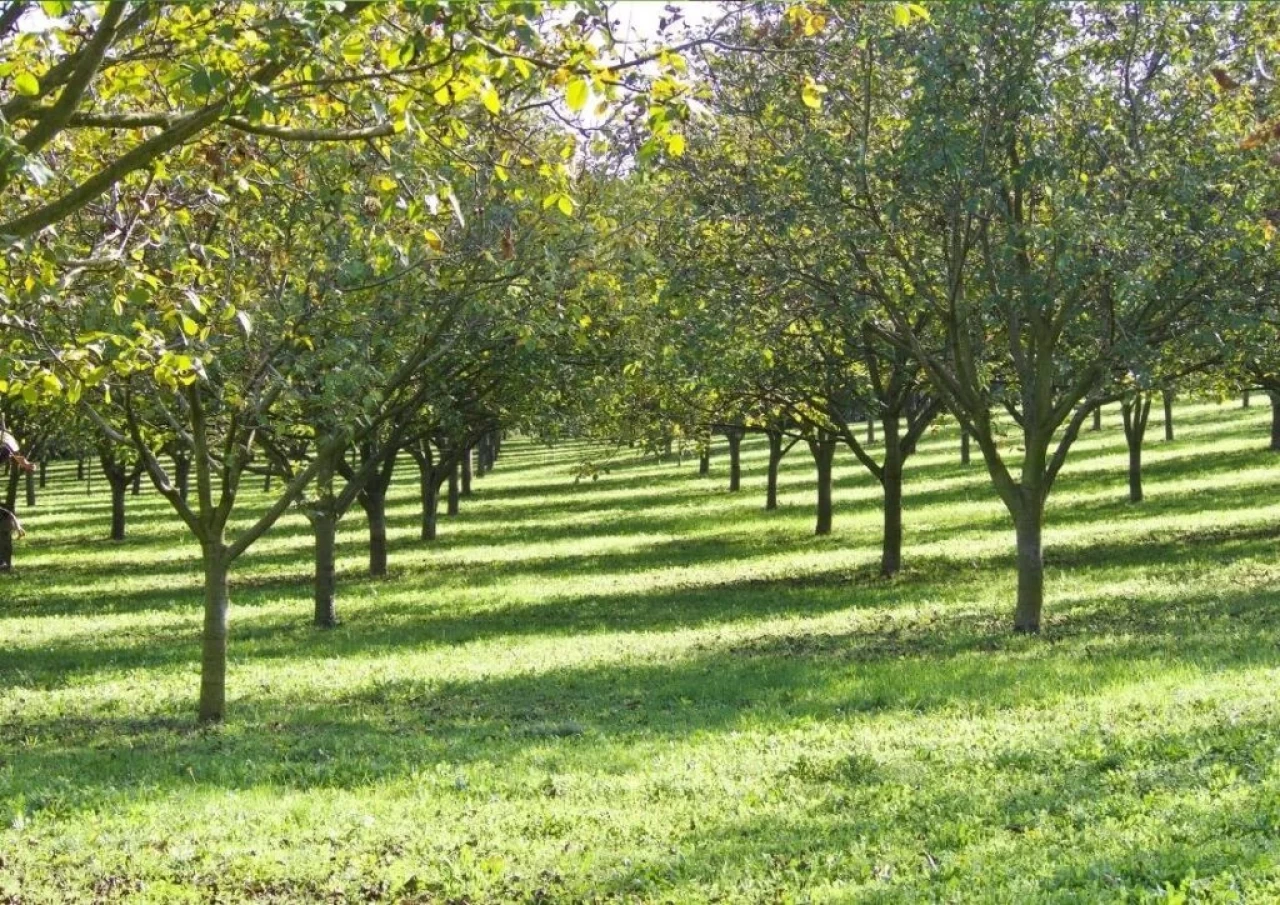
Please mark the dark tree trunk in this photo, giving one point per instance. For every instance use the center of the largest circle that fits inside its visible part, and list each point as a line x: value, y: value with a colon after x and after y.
x: 1029, y: 527
x: 1244, y: 400
x: 823, y: 448
x: 136, y: 488
x: 453, y: 490
x: 704, y: 463
x: 775, y: 461
x: 871, y: 429
x: 1168, y: 414
x: 735, y: 459
x: 1097, y: 419
x: 1135, y: 412
x: 429, y: 487
x: 891, y: 482
x: 44, y: 472
x: 482, y: 455
x: 213, y: 642
x: 964, y: 446
x: 30, y: 481
x: 374, y: 502
x: 324, y: 525
x: 466, y: 471
x: 1275, y: 420
x: 266, y: 483
x: 182, y: 474
x: 80, y: 468
x: 117, y: 509
x: 6, y: 551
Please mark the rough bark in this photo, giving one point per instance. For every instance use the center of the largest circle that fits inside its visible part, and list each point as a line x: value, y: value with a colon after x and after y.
x: 1167, y: 396
x: 466, y: 471
x: 374, y: 503
x: 891, y: 483
x: 30, y: 481
x: 1097, y: 419
x: 964, y: 446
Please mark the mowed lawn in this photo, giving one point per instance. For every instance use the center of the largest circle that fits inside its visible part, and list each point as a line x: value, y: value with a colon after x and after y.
x: 647, y: 689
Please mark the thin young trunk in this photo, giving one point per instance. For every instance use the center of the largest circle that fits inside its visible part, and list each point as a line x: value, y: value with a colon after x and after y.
x: 1029, y: 525
x: 324, y: 525
x: 266, y: 483
x: 453, y: 490
x: 1275, y: 420
x: 213, y: 642
x: 735, y: 460
x: 137, y: 482
x: 1244, y: 400
x: 466, y: 471
x: 891, y: 482
x: 80, y: 468
x: 871, y: 430
x: 30, y: 481
x: 44, y: 472
x: 6, y: 551
x: 1168, y: 414
x: 704, y: 463
x: 823, y: 448
x: 775, y: 460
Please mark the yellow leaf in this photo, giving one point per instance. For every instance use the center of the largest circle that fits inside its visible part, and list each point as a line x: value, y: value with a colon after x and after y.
x: 442, y: 96
x: 577, y: 93
x: 433, y: 240
x: 811, y: 94
x: 565, y: 203
x: 27, y: 84
x: 492, y: 103
x: 675, y: 144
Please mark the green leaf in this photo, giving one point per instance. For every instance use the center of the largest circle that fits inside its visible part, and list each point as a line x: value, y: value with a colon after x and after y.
x: 565, y: 203
x: 576, y: 95
x: 26, y: 83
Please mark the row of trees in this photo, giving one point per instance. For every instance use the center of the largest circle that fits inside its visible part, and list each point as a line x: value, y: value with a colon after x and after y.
x: 295, y: 241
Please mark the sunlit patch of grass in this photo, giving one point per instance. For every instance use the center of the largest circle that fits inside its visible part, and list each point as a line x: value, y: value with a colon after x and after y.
x: 648, y: 689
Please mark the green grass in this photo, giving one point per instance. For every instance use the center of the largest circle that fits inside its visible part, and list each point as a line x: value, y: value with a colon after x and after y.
x: 648, y: 689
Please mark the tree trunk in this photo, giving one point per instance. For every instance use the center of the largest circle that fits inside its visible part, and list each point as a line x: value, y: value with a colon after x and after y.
x: 1097, y: 418
x: 44, y: 472
x: 1029, y: 525
x: 1135, y: 412
x: 1168, y: 414
x: 213, y: 653
x: 704, y: 463
x: 964, y: 446
x: 137, y: 482
x: 80, y: 468
x: 374, y: 500
x: 119, y: 484
x: 823, y: 448
x: 430, y: 491
x: 324, y: 525
x: 6, y: 551
x: 266, y: 483
x: 1244, y: 400
x: 30, y: 481
x: 453, y: 490
x: 775, y: 460
x: 735, y: 459
x: 182, y: 474
x: 466, y: 471
x: 1275, y: 420
x: 871, y: 429
x: 891, y: 482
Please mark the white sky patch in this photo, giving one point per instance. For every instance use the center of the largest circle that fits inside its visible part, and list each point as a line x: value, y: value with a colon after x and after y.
x: 639, y: 19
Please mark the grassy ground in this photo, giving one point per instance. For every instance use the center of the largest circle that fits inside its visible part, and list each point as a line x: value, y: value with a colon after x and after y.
x: 648, y: 689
